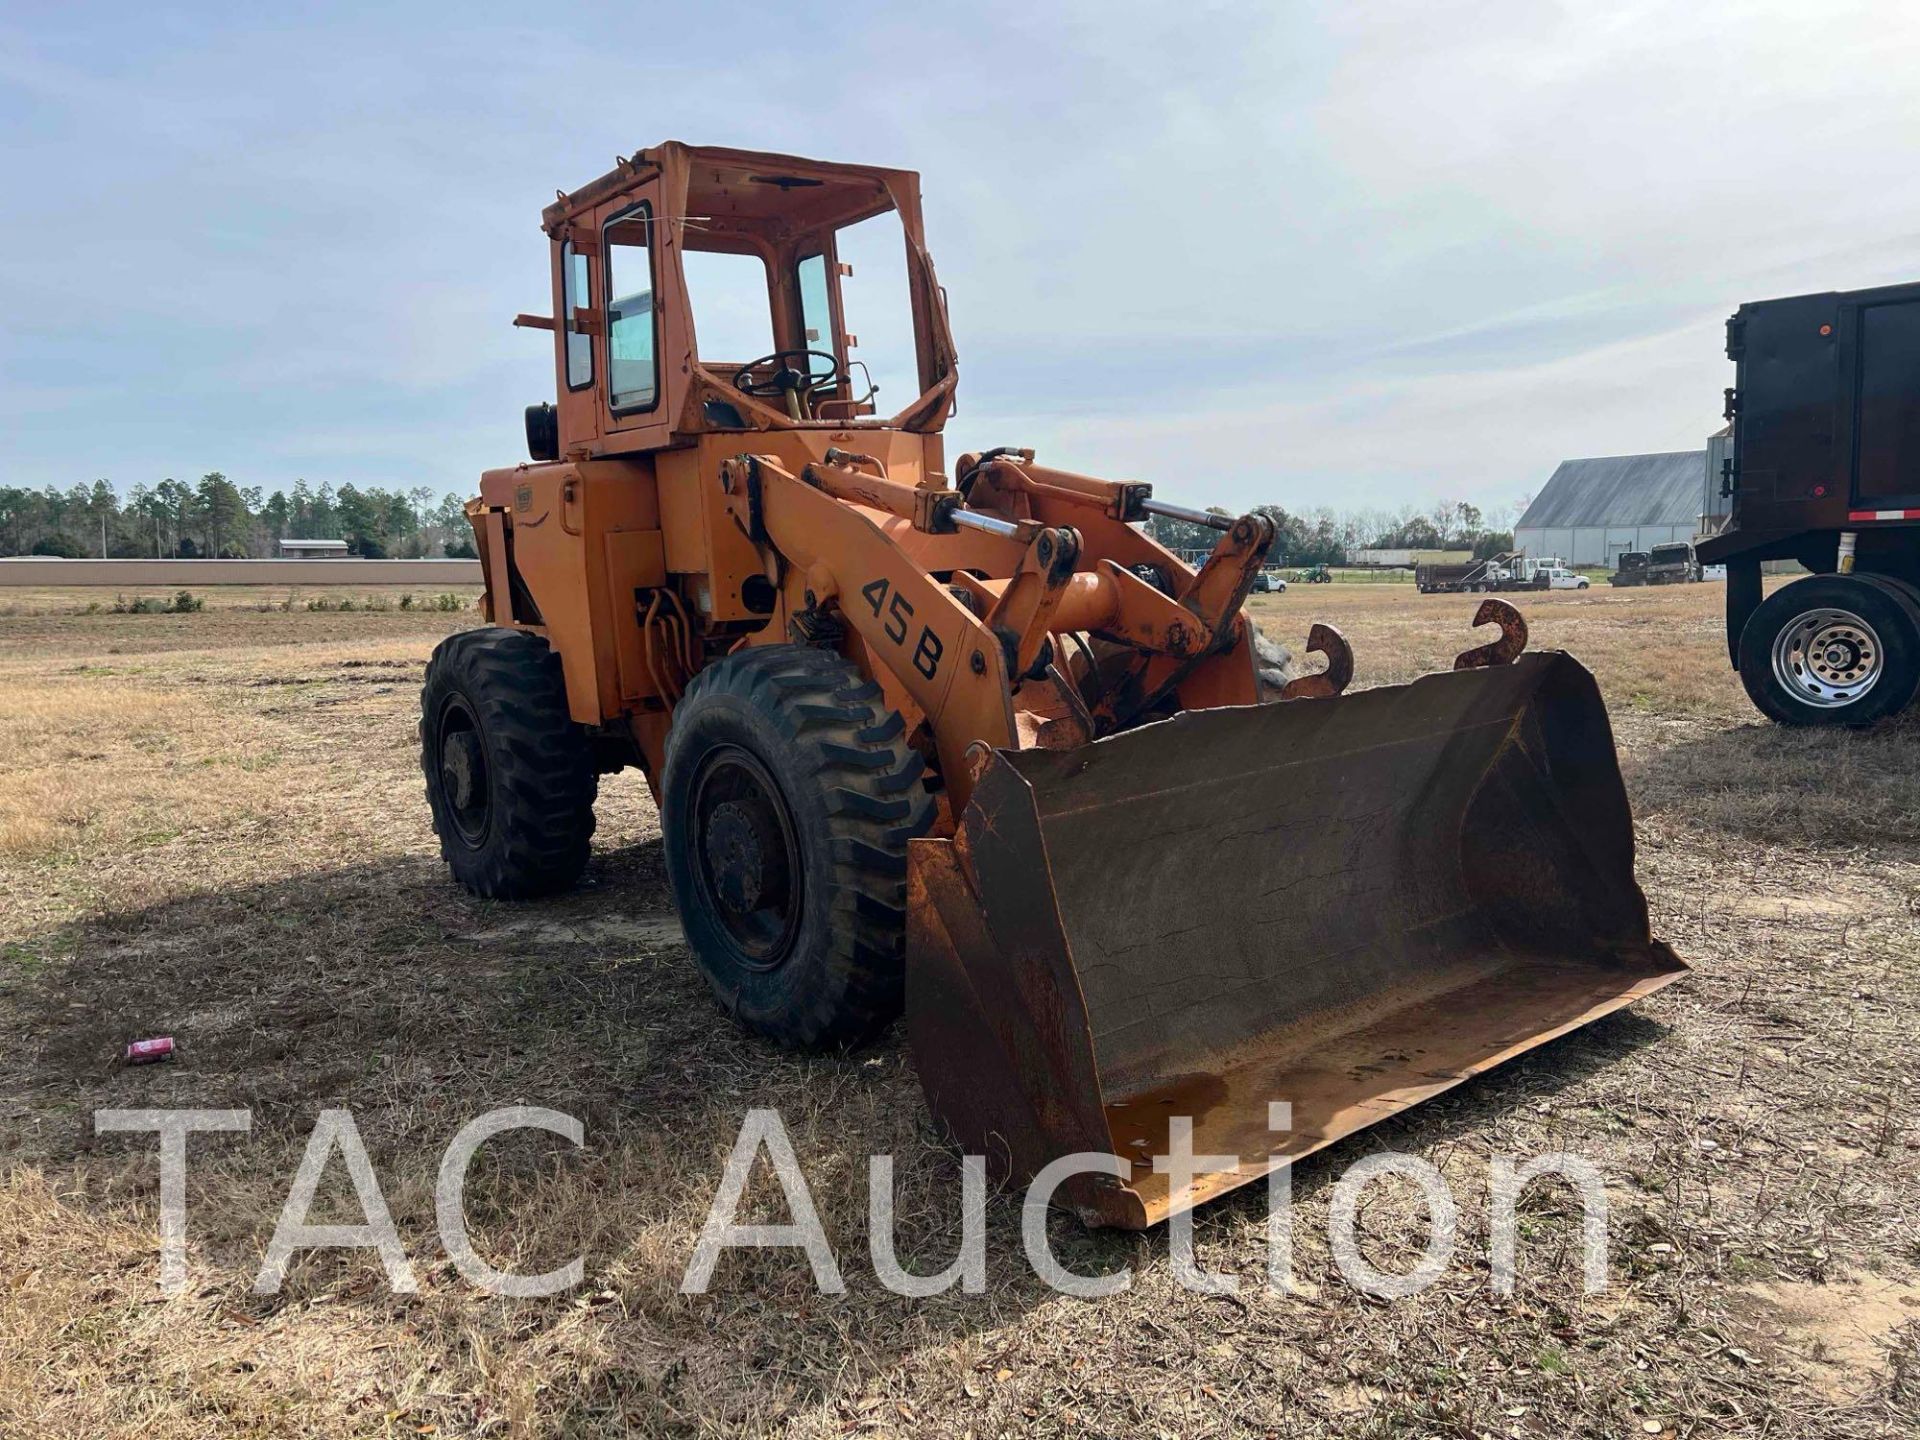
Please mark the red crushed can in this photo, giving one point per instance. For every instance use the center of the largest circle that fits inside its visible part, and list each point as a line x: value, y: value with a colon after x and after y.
x: 146, y: 1052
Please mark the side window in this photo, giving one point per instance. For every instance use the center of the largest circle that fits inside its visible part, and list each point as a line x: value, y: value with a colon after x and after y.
x: 573, y: 280
x: 876, y: 304
x: 816, y: 310
x: 632, y: 368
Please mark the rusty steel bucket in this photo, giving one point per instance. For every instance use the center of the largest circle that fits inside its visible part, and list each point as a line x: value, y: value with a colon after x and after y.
x: 1349, y: 904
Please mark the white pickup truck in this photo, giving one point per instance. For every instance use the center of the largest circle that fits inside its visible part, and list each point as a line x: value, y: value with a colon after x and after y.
x: 1560, y: 578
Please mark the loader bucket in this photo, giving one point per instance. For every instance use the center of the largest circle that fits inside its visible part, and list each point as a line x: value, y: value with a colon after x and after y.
x: 1348, y: 904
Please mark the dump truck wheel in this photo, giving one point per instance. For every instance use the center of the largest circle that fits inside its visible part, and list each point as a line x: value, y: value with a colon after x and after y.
x: 510, y: 777
x: 1832, y: 650
x: 788, y: 797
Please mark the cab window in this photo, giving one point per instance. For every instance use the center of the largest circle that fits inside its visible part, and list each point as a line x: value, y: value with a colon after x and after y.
x: 816, y: 312
x: 633, y: 381
x: 573, y: 283
x: 876, y: 303
x: 732, y: 311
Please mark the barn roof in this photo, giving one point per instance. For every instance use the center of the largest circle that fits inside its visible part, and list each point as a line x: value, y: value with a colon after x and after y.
x: 1622, y: 490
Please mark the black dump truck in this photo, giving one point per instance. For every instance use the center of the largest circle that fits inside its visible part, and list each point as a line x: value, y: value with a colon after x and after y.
x: 1672, y: 564
x: 1824, y: 468
x: 1664, y: 565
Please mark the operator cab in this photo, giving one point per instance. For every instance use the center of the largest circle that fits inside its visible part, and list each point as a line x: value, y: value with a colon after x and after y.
x: 703, y: 290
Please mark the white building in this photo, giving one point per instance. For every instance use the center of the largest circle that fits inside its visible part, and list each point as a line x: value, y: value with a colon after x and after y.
x: 1591, y: 511
x: 313, y: 549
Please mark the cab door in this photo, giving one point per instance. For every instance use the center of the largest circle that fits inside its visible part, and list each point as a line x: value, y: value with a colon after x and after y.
x: 643, y: 345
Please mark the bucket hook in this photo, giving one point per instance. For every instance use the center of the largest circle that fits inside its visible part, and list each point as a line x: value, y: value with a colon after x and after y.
x: 1505, y: 650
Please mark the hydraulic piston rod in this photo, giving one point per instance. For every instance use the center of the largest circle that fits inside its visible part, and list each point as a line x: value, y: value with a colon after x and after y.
x: 990, y: 524
x: 1192, y: 517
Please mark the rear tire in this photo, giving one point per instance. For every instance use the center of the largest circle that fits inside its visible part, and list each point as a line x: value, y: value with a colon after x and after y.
x: 788, y: 796
x: 1832, y: 650
x: 510, y: 776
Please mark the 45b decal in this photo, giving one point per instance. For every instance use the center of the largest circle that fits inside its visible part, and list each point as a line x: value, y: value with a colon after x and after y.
x: 895, y: 614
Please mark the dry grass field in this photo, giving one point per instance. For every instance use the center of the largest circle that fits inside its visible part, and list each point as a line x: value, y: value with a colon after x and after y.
x: 43, y: 600
x: 212, y: 826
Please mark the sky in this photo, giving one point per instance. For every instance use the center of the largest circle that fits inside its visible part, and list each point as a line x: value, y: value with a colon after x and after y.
x: 1355, y: 255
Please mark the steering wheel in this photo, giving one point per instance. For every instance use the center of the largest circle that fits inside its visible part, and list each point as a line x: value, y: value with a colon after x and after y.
x: 786, y: 378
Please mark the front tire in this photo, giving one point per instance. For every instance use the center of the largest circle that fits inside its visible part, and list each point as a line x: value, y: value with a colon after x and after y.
x: 510, y: 776
x: 1832, y: 650
x: 788, y: 796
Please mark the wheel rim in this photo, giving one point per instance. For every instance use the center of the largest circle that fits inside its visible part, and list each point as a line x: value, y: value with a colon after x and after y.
x: 745, y: 857
x: 1827, y: 658
x: 464, y: 781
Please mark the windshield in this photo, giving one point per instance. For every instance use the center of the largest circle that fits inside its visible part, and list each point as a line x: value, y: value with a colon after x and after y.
x: 732, y: 310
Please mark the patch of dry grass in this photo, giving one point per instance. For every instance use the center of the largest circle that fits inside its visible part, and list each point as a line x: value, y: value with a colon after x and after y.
x: 303, y: 944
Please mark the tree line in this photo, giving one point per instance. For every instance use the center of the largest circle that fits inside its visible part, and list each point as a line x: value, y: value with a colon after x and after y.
x: 1325, y: 536
x: 213, y: 517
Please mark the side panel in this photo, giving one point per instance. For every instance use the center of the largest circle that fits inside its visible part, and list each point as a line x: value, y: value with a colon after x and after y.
x: 1787, y: 429
x: 583, y: 538
x: 701, y: 538
x: 1886, y: 432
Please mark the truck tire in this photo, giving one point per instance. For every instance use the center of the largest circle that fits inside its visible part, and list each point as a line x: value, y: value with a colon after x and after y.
x: 510, y: 777
x: 1832, y: 650
x: 787, y: 798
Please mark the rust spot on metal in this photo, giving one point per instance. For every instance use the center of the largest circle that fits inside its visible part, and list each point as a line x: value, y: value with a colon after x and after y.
x: 1326, y: 641
x: 979, y: 757
x: 1075, y: 728
x: 1505, y: 650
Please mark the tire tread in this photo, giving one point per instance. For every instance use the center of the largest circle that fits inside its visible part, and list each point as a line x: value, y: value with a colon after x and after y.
x: 851, y: 750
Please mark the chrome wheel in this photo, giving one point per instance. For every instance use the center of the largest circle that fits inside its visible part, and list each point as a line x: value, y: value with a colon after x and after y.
x: 1827, y: 658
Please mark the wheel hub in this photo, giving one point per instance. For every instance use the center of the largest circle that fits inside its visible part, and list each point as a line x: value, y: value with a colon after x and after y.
x: 1827, y: 658
x: 460, y: 767
x: 747, y: 857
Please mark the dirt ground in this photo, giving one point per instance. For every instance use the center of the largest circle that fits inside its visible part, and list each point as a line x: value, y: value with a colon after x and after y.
x: 212, y: 826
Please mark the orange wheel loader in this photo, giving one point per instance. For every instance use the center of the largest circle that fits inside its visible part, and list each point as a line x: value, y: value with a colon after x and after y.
x: 962, y: 740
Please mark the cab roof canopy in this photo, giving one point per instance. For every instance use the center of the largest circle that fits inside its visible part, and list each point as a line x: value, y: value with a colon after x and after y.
x: 774, y: 196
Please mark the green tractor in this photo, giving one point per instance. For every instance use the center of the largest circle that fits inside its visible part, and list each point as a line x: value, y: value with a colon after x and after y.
x: 1314, y: 575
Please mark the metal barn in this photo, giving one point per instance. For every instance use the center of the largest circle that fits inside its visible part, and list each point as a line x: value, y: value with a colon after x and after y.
x: 1592, y: 510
